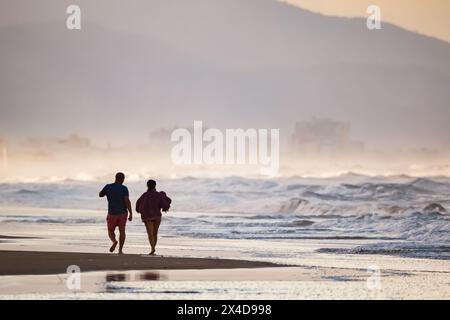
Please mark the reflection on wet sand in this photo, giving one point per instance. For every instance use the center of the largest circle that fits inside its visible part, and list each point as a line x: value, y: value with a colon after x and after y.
x: 117, y: 277
x: 148, y: 276
x: 129, y: 277
x: 140, y: 276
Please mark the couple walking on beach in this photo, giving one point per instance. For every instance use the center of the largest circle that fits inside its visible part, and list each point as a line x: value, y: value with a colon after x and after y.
x: 149, y: 206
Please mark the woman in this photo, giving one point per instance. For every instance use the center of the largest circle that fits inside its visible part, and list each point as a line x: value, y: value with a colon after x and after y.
x: 149, y: 206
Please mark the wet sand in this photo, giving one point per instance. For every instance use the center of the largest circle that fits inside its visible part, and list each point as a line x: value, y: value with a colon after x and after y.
x: 3, y: 237
x: 35, y: 263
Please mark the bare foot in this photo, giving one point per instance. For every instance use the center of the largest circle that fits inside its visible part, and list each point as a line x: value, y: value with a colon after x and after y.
x: 113, y: 247
x: 121, y: 252
x: 152, y: 253
x: 156, y: 255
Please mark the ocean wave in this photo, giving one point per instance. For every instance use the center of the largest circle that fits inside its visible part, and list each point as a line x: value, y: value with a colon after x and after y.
x: 26, y: 192
x: 256, y: 196
x: 415, y: 226
x: 403, y: 249
x: 49, y: 220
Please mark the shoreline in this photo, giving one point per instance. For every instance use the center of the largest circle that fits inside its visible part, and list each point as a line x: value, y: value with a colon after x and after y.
x: 43, y: 262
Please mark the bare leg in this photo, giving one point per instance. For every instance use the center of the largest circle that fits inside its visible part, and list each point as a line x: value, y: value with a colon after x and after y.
x: 151, y: 236
x: 112, y: 237
x: 122, y: 237
x: 156, y: 225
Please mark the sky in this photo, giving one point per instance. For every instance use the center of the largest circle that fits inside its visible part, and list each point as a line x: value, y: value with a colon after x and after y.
x: 428, y: 17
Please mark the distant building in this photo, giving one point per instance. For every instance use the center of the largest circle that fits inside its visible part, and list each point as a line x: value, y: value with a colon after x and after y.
x: 3, y: 156
x: 322, y: 136
x: 75, y: 141
x: 161, y: 138
x: 51, y: 147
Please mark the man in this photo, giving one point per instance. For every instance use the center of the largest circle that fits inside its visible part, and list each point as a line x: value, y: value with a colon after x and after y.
x: 118, y: 205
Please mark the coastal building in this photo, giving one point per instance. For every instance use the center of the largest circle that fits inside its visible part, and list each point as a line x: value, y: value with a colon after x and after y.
x: 4, y: 157
x: 322, y: 136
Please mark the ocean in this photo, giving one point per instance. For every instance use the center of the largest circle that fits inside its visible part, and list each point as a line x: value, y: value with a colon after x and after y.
x: 399, y: 215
